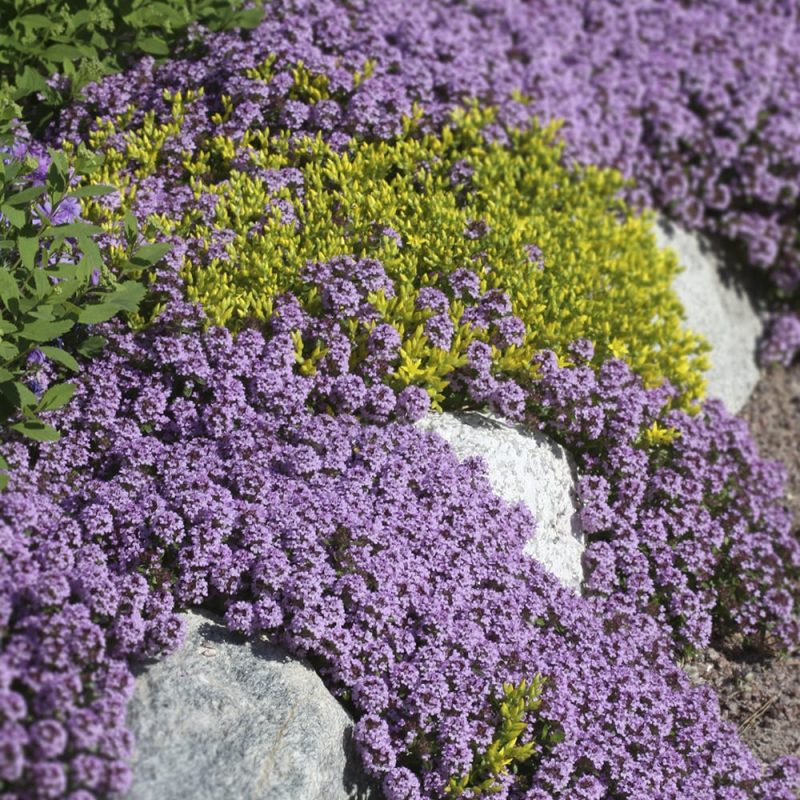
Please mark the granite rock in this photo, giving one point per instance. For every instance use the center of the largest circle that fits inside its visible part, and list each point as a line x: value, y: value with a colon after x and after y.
x: 526, y: 466
x: 229, y: 718
x: 719, y: 309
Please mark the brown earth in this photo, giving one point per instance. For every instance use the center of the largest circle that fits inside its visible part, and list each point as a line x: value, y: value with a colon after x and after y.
x: 761, y: 693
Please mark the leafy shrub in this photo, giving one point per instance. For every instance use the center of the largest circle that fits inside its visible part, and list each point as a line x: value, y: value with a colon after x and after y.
x: 213, y: 471
x: 504, y: 751
x: 255, y: 207
x: 53, y: 285
x: 50, y: 49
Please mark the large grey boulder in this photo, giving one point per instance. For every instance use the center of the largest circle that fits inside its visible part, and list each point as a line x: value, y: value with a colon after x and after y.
x: 226, y: 718
x: 526, y: 466
x: 719, y: 310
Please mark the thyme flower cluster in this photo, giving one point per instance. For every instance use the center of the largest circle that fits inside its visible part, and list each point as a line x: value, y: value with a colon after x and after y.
x: 201, y: 470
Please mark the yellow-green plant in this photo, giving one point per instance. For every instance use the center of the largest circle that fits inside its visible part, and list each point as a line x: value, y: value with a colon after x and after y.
x: 505, y: 753
x: 574, y: 259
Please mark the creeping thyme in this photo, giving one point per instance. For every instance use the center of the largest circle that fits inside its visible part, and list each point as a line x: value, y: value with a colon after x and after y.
x: 197, y: 469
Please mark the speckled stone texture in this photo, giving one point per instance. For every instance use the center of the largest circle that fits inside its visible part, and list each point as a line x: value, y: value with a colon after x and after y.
x: 227, y: 718
x: 525, y: 466
x: 721, y: 311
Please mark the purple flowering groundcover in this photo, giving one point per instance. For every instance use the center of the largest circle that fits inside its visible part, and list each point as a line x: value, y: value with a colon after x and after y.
x: 274, y: 476
x: 197, y: 469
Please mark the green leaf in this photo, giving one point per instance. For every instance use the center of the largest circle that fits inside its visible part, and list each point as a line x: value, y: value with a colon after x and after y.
x: 76, y: 229
x: 156, y: 47
x: 131, y: 227
x: 92, y: 191
x: 247, y: 19
x: 8, y: 352
x: 14, y: 167
x: 57, y: 174
x: 43, y: 286
x: 56, y: 180
x: 60, y: 357
x: 100, y: 312
x: 14, y: 215
x: 56, y: 397
x: 33, y: 21
x: 25, y: 196
x: 128, y: 296
x: 29, y: 81
x: 19, y: 394
x: 125, y: 297
x: 37, y: 430
x: 62, y: 52
x: 63, y: 270
x: 44, y: 331
x: 81, y: 18
x: 158, y: 13
x: 8, y: 286
x: 45, y: 311
x: 92, y: 346
x: 86, y: 162
x: 150, y: 254
x: 91, y: 252
x: 59, y: 158
x: 28, y: 248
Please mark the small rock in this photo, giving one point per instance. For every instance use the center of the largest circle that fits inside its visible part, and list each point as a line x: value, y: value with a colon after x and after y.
x: 720, y: 311
x: 228, y: 718
x: 524, y: 466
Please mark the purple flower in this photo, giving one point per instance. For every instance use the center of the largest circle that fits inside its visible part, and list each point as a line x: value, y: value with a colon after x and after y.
x: 534, y: 255
x: 783, y: 340
x: 696, y: 102
x: 582, y: 350
x: 464, y: 283
x: 373, y: 550
x: 413, y: 403
x: 440, y: 331
x: 48, y: 738
x: 36, y: 357
x: 479, y: 356
x: 509, y: 332
x: 433, y: 299
x: 508, y: 399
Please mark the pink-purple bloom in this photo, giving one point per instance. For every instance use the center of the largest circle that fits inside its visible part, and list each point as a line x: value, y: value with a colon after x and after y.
x: 201, y: 470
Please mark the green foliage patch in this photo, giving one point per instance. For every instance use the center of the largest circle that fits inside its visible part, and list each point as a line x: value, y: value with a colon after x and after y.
x: 83, y: 40
x: 54, y: 284
x: 508, y: 753
x: 599, y: 275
